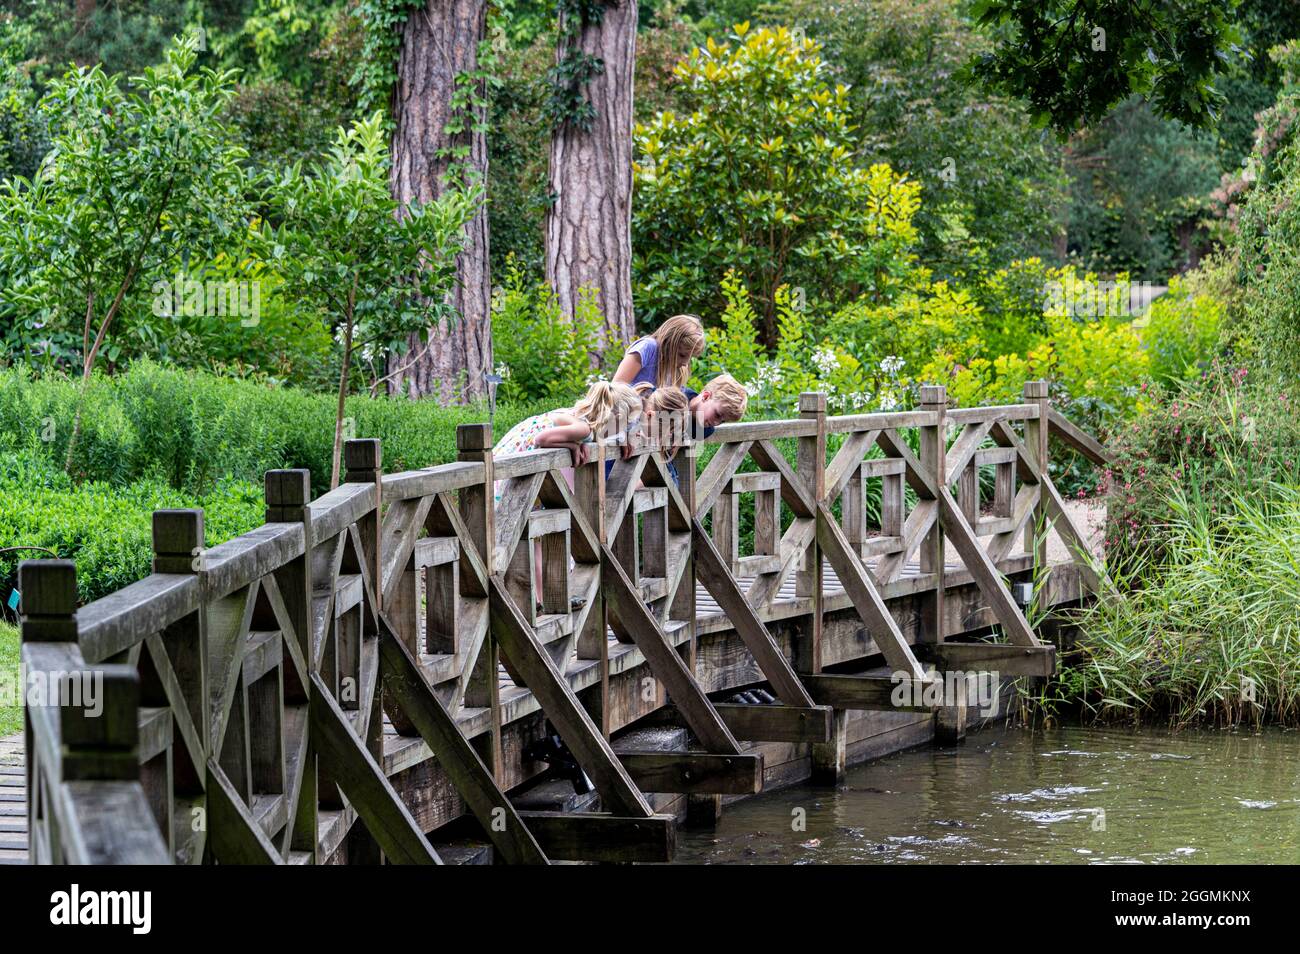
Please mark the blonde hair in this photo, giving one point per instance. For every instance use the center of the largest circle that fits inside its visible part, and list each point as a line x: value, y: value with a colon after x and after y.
x: 670, y: 408
x: 680, y: 339
x: 730, y: 395
x: 608, y: 402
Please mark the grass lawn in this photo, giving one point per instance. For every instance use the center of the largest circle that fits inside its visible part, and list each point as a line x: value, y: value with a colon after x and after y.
x: 11, y: 720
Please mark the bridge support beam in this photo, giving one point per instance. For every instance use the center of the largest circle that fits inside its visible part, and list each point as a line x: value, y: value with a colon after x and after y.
x: 830, y: 758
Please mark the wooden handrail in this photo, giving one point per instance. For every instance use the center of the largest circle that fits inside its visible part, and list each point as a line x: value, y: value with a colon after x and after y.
x: 1079, y: 439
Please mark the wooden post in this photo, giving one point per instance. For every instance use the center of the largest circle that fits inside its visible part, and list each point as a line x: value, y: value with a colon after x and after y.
x: 830, y: 759
x: 363, y: 462
x: 589, y: 497
x: 49, y: 601
x: 934, y: 448
x: 287, y: 494
x: 811, y: 465
x: 477, y: 506
x: 178, y: 548
x: 950, y: 719
x: 1036, y: 439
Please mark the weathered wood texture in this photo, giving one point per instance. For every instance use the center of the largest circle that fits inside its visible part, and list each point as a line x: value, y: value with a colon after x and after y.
x: 371, y: 665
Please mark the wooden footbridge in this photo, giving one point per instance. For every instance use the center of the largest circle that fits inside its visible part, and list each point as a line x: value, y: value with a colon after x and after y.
x: 385, y: 672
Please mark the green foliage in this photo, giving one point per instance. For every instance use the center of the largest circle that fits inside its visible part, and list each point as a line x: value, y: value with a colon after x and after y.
x: 283, y: 341
x: 135, y: 185
x: 1213, y: 618
x: 105, y: 528
x: 124, y: 36
x: 23, y: 134
x: 275, y: 40
x: 193, y: 430
x: 1267, y: 239
x: 1139, y: 185
x: 805, y: 358
x: 574, y: 67
x: 540, y: 353
x: 376, y: 69
x: 1073, y: 60
x: 346, y: 249
x: 1181, y: 333
x: 992, y: 185
x: 757, y: 174
x: 11, y: 719
x: 1207, y: 438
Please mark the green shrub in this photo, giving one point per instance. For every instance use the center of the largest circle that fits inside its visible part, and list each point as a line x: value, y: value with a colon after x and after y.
x: 1209, y: 438
x: 540, y: 353
x: 11, y: 718
x: 757, y: 173
x: 105, y: 528
x: 1181, y: 333
x: 1208, y: 632
x: 193, y: 430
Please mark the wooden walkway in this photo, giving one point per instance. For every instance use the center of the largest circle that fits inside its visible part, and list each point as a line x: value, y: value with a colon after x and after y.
x: 13, y: 802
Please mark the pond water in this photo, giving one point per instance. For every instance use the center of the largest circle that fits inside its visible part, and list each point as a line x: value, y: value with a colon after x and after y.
x: 1069, y: 795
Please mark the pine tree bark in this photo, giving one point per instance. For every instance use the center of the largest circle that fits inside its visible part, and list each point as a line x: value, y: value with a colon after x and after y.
x: 439, y: 43
x: 589, y: 223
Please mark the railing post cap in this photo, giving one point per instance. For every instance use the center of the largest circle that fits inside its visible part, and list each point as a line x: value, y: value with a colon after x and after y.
x: 178, y: 531
x: 288, y: 488
x: 1035, y: 389
x: 363, y: 453
x: 48, y: 587
x: 934, y: 394
x: 474, y: 437
x: 812, y: 402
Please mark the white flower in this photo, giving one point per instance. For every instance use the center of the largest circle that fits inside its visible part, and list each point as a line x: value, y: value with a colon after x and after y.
x: 826, y: 360
x: 888, y: 402
x: 892, y: 364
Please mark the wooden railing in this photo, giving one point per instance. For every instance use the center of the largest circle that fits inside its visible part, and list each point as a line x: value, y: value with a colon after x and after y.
x: 257, y: 696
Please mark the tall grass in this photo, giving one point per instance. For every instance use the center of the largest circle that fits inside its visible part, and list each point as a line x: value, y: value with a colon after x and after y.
x: 1210, y: 631
x: 11, y: 718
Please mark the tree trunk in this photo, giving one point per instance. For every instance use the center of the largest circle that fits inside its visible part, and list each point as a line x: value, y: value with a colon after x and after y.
x: 589, y: 223
x: 439, y: 43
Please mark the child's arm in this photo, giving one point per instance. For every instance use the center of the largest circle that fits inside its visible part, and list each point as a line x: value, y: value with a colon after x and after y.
x: 570, y: 436
x: 628, y: 368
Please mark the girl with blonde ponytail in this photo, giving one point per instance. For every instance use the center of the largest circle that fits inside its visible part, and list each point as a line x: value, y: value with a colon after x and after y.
x: 605, y: 410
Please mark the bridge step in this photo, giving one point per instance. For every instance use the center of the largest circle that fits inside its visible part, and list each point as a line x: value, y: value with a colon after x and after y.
x: 1008, y: 660
x: 464, y: 852
x: 596, y: 836
x: 861, y: 691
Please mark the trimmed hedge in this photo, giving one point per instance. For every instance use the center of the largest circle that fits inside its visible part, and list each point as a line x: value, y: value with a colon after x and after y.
x: 104, y: 527
x: 192, y: 430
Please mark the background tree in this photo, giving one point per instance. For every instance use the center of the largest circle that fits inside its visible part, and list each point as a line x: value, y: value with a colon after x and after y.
x: 136, y: 185
x: 439, y: 144
x: 380, y: 270
x: 588, y: 241
x: 1074, y: 60
x: 758, y: 174
x: 992, y: 186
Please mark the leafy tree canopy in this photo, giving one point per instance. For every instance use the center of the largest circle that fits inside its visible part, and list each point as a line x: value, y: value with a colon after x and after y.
x: 1073, y: 60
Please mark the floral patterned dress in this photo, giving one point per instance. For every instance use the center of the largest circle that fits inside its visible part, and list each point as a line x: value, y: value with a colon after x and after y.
x: 523, y: 437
